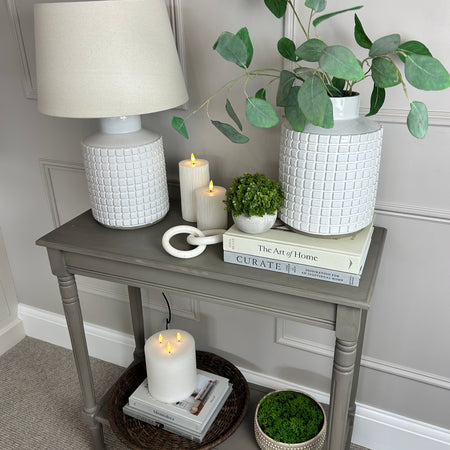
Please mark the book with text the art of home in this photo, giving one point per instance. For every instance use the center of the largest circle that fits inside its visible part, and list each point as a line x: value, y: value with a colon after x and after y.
x: 342, y: 253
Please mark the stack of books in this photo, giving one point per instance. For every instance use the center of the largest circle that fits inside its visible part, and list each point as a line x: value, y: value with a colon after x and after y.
x: 336, y: 259
x: 192, y: 417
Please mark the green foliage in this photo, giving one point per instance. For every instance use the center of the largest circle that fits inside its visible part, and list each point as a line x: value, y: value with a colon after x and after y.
x: 290, y: 417
x: 330, y: 71
x: 254, y: 195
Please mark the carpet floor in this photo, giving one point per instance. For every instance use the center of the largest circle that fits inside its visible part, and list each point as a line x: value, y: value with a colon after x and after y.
x: 40, y: 406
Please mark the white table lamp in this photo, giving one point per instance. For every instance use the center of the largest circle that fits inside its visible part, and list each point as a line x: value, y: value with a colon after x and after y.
x: 112, y: 60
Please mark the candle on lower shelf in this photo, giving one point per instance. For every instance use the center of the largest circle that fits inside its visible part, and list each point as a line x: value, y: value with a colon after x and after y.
x: 211, y: 212
x: 171, y: 365
x: 193, y: 174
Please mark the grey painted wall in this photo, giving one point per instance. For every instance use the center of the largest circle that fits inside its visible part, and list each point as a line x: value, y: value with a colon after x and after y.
x: 406, y: 367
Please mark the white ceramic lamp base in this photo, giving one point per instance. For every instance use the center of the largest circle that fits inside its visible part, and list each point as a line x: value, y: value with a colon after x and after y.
x: 126, y: 174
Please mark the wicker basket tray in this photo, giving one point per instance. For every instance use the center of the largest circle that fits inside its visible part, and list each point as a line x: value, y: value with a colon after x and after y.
x: 139, y: 435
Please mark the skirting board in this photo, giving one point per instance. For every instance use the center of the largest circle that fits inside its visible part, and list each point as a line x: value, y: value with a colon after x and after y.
x: 10, y: 335
x: 374, y: 428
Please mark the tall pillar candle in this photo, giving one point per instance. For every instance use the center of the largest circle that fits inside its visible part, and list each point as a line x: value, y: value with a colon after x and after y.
x: 194, y: 173
x: 211, y: 212
x: 171, y: 365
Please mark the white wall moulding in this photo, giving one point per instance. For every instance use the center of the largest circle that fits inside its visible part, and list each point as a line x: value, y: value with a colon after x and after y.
x: 374, y: 428
x: 284, y: 338
x: 21, y: 15
x: 66, y: 189
x: 413, y: 212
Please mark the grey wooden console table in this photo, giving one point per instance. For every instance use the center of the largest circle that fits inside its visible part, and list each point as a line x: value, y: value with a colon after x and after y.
x: 136, y: 258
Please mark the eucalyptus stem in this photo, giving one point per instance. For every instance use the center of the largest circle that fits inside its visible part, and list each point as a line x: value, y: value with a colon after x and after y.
x: 298, y: 19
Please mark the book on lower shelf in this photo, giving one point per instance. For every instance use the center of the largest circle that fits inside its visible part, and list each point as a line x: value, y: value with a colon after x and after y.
x: 300, y: 270
x: 191, y: 417
x: 342, y: 253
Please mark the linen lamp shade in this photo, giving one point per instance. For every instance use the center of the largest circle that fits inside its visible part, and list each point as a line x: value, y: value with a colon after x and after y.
x: 112, y: 60
x: 106, y: 59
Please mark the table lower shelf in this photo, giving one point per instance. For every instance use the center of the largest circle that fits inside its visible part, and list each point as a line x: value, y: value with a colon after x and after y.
x: 138, y: 435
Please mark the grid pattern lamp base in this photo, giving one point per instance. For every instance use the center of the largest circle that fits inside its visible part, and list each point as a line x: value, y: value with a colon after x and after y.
x: 127, y: 186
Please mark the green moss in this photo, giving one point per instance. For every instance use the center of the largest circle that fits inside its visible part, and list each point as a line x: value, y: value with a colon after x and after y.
x: 290, y: 417
x: 254, y: 195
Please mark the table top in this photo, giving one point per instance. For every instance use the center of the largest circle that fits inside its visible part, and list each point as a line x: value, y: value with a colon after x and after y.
x: 86, y: 239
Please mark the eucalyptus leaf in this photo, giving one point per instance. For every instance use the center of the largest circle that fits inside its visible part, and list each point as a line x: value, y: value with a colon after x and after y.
x: 313, y: 101
x: 295, y: 117
x: 415, y: 47
x: 232, y: 113
x: 260, y: 113
x: 385, y: 45
x: 338, y: 83
x: 376, y: 100
x: 261, y: 93
x: 338, y: 61
x: 385, y: 73
x: 284, y: 86
x: 316, y: 5
x: 327, y: 16
x: 310, y: 50
x: 333, y: 91
x: 277, y: 7
x: 231, y: 48
x: 179, y: 125
x: 361, y: 37
x: 232, y: 134
x: 286, y: 48
x: 417, y: 120
x: 244, y: 36
x: 426, y: 73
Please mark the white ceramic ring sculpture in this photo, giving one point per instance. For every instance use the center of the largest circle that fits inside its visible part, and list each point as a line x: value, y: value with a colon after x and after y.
x: 196, y: 237
x: 211, y: 237
x: 180, y: 229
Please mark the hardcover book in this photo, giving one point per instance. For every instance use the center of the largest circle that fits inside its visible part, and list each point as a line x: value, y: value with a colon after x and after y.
x: 291, y: 268
x: 342, y: 253
x: 192, y: 413
x: 196, y: 436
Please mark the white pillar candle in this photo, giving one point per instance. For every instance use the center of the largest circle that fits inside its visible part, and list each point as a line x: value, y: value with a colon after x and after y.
x: 193, y: 173
x: 211, y: 212
x: 171, y: 365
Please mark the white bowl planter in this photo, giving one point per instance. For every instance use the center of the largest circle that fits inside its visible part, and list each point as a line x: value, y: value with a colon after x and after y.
x: 255, y: 224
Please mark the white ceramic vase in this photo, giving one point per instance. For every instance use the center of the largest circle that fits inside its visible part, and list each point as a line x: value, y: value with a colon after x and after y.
x: 329, y: 177
x: 255, y: 224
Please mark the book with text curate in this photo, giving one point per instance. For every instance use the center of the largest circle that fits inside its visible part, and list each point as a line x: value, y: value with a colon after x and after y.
x: 300, y: 270
x: 343, y: 253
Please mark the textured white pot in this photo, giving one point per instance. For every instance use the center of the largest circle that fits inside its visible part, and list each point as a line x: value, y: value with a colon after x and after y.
x: 329, y: 177
x: 255, y: 224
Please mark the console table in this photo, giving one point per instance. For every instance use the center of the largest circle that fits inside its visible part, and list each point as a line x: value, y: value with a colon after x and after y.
x: 136, y: 258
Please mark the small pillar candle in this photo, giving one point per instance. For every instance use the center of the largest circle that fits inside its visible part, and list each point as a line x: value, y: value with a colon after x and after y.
x: 211, y: 212
x: 193, y: 174
x: 171, y: 365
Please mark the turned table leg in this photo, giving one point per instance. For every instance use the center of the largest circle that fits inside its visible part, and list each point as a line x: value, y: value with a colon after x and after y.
x: 348, y: 323
x: 72, y: 311
x: 137, y: 319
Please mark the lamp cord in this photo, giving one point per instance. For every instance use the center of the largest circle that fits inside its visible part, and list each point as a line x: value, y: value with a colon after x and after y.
x: 169, y: 319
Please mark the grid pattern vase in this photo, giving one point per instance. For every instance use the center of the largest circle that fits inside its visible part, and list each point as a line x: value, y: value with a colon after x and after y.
x: 330, y: 177
x: 127, y: 186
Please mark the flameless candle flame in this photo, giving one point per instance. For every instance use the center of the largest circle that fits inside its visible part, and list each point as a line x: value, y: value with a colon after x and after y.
x: 193, y: 159
x: 178, y: 337
x: 211, y: 186
x: 160, y: 338
x: 169, y: 348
